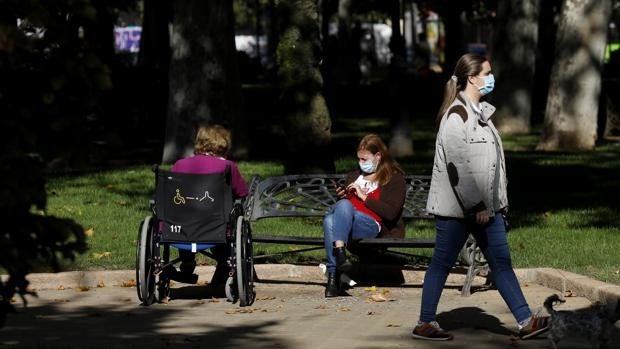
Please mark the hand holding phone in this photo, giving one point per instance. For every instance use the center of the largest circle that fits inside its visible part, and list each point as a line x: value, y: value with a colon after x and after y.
x: 340, y: 190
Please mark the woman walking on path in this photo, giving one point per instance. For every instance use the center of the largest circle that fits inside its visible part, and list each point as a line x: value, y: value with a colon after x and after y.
x: 468, y: 195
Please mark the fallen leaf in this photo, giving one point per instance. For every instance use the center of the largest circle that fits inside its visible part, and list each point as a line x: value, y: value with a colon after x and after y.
x: 372, y: 289
x: 392, y: 325
x: 322, y: 306
x: 61, y: 287
x: 109, y: 186
x: 129, y: 283
x: 200, y: 302
x: 97, y: 255
x: 371, y: 313
x: 231, y: 312
x: 569, y: 293
x: 214, y: 300
x: 266, y: 298
x: 82, y: 288
x: 89, y: 232
x: 100, y: 284
x: 377, y: 297
x: 344, y: 309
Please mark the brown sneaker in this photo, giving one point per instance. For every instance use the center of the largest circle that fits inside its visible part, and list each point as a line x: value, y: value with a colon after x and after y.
x: 430, y: 331
x: 536, y: 326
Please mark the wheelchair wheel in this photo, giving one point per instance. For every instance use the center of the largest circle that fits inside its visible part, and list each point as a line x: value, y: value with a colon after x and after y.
x: 245, y: 263
x: 145, y: 278
x: 163, y: 283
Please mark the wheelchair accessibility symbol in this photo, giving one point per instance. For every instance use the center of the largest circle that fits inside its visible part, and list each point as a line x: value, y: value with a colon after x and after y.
x: 178, y: 199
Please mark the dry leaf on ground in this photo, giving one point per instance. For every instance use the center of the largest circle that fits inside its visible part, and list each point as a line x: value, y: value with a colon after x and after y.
x: 377, y: 297
x: 129, y: 283
x: 97, y: 255
x: 372, y: 289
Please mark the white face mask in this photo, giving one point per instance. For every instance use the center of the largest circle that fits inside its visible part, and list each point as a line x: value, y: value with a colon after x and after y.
x: 487, y: 87
x: 368, y: 166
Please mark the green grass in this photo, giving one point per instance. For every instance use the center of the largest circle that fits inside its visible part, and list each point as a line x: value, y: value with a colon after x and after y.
x: 564, y: 209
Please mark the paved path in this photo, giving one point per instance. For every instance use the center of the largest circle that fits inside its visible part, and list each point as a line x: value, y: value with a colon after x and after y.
x: 290, y: 312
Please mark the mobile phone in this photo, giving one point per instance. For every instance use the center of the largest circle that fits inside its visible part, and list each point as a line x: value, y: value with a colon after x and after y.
x: 336, y: 185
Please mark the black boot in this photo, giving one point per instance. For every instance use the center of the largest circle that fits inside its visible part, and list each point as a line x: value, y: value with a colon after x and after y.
x: 342, y: 262
x: 332, y: 289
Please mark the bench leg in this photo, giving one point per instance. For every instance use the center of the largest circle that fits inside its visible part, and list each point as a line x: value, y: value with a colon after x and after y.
x: 472, y: 256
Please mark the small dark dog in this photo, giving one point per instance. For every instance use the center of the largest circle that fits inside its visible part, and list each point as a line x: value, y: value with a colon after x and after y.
x: 594, y: 322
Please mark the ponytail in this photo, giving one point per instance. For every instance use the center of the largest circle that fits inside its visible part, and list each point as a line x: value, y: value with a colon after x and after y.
x: 449, y: 95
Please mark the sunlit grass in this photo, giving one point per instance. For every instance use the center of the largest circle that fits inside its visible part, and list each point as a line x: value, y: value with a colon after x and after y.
x: 564, y: 209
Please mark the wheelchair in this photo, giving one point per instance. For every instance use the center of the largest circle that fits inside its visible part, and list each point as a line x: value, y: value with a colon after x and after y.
x: 193, y: 212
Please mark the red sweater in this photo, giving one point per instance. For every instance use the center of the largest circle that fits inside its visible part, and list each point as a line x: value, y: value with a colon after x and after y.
x: 387, y: 204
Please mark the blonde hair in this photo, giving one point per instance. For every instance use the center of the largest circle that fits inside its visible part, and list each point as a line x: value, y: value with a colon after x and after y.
x: 213, y: 139
x: 469, y: 64
x: 387, y: 166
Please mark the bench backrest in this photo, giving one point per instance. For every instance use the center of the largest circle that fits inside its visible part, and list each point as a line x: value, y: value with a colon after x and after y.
x: 313, y: 195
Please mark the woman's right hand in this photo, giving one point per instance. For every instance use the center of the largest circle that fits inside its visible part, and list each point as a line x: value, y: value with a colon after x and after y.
x: 341, y: 192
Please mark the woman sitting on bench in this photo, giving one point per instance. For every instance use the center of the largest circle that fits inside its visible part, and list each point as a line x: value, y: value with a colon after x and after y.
x: 370, y: 204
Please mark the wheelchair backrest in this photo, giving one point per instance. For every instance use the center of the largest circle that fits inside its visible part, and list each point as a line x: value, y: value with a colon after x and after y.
x: 193, y: 208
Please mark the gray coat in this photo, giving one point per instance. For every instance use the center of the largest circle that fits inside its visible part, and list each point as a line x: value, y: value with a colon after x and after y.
x: 469, y: 171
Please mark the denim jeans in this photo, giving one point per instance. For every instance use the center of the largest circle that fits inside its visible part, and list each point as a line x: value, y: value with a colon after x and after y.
x: 343, y: 222
x: 452, y: 234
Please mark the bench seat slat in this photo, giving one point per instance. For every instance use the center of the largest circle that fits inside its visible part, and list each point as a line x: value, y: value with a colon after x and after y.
x: 377, y: 242
x: 288, y: 240
x: 387, y: 242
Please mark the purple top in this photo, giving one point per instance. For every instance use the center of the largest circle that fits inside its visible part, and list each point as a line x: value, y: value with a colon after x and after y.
x: 205, y: 164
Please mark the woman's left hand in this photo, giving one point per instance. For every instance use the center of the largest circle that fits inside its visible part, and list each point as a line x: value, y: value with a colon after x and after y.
x: 482, y: 217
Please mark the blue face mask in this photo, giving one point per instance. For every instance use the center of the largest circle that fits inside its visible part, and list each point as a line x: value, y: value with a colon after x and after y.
x: 489, y: 83
x: 368, y: 166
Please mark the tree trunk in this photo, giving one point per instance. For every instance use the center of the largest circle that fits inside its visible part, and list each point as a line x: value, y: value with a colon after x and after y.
x: 548, y: 18
x: 400, y: 143
x: 153, y: 64
x: 306, y: 119
x: 513, y: 60
x: 572, y: 105
x: 348, y: 49
x: 204, y: 76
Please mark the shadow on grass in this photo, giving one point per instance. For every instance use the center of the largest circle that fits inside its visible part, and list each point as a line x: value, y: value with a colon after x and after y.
x: 544, y: 183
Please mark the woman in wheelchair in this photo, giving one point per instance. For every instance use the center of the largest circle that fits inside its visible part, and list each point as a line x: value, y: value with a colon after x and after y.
x: 211, y: 148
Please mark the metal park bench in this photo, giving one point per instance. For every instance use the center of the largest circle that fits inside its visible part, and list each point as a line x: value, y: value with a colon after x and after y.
x: 313, y: 195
